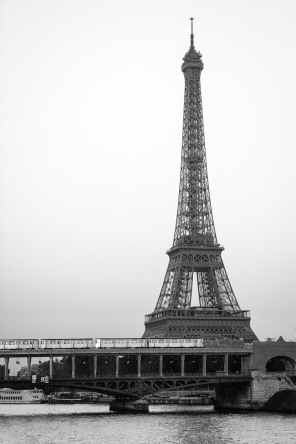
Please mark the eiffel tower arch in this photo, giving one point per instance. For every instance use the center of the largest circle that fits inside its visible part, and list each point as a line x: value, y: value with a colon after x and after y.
x: 195, y: 257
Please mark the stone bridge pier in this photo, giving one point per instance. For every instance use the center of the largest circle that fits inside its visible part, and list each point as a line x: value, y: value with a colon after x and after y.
x: 273, y: 371
x: 254, y: 395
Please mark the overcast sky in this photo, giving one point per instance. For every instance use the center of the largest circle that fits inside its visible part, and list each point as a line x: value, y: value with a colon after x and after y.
x: 91, y: 104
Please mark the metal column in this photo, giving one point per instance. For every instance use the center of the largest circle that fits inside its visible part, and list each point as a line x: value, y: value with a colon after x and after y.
x: 161, y: 365
x: 95, y: 365
x: 139, y: 366
x: 182, y: 365
x: 204, y: 365
x: 6, y: 362
x: 29, y: 366
x: 226, y: 364
x: 51, y: 367
x: 73, y: 366
x: 117, y: 366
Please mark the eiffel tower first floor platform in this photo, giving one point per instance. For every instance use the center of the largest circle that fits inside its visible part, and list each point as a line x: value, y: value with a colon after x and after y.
x: 196, y: 322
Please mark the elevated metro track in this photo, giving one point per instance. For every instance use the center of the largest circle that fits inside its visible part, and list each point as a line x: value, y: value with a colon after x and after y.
x: 103, y: 351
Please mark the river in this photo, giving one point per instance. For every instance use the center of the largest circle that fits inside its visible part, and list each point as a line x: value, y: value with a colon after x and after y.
x: 92, y: 423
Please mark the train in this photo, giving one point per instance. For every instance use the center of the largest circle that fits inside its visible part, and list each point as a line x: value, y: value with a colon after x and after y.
x: 147, y: 343
x: 87, y: 343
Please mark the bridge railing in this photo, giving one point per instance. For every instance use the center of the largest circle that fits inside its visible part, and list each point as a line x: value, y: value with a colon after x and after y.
x: 149, y: 375
x: 288, y: 372
x: 291, y: 372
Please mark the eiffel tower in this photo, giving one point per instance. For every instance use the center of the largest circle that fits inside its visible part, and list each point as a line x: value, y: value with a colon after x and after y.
x: 195, y: 250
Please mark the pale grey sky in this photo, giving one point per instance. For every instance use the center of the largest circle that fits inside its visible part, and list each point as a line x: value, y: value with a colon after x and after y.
x: 91, y: 103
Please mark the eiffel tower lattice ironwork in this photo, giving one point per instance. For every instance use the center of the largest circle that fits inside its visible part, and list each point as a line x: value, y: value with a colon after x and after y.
x: 195, y: 249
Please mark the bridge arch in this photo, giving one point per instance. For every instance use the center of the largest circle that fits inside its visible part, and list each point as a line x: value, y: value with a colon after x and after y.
x: 280, y: 364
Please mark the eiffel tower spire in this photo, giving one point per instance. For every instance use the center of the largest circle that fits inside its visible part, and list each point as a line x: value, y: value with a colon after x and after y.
x: 195, y: 250
x: 195, y: 224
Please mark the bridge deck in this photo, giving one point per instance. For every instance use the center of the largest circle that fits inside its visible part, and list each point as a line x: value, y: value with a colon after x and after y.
x: 104, y: 351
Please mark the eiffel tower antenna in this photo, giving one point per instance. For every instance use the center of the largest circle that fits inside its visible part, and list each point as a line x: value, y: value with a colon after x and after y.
x: 195, y: 252
x: 192, y: 35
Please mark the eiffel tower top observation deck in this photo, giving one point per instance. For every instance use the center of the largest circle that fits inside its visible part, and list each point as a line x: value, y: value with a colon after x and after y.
x: 195, y: 249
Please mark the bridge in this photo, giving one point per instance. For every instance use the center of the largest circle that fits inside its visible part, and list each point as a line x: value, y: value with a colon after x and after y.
x: 127, y: 373
x: 245, y: 376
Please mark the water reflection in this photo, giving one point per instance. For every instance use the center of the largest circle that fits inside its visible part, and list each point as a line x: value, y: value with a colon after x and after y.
x: 165, y: 424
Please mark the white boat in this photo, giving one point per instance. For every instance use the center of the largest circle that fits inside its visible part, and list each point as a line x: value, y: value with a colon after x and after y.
x: 10, y: 396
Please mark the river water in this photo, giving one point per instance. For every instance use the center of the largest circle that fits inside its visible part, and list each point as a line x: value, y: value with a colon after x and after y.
x: 89, y: 424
